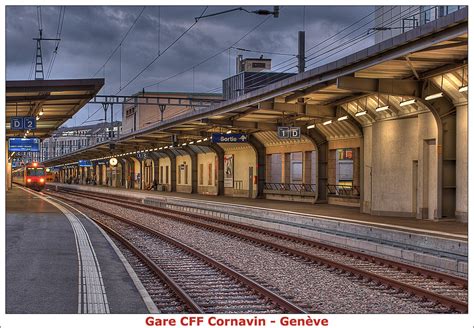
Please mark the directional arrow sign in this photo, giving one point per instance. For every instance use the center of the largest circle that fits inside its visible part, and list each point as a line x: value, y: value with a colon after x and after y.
x: 229, y: 138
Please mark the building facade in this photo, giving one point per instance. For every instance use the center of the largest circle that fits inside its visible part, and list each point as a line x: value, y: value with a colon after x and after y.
x: 69, y: 139
x: 136, y: 116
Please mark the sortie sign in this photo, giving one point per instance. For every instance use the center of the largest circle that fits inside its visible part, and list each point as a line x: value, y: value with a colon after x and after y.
x: 229, y: 138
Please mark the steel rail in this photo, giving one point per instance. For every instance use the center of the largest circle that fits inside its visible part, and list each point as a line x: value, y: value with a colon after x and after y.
x: 268, y: 294
x: 185, y: 298
x: 363, y: 256
x: 450, y: 302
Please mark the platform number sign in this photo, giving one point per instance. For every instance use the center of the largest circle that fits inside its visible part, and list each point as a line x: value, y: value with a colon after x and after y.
x: 22, y: 123
x: 288, y: 132
x: 30, y: 122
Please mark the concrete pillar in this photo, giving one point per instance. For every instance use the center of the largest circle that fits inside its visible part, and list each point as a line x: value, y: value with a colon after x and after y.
x: 461, y: 162
x: 321, y: 146
x: 332, y: 167
x: 8, y: 170
x: 356, y: 167
x: 99, y: 174
x: 307, y: 167
x: 194, y: 169
x: 261, y: 154
x: 172, y: 158
x: 123, y: 161
x: 286, y: 167
x: 220, y: 167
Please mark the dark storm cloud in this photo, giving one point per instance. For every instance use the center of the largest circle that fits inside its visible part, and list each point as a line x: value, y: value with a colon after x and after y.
x: 91, y: 33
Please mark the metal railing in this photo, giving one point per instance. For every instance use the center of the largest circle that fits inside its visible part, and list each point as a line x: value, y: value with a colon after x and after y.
x: 342, y: 190
x: 294, y: 187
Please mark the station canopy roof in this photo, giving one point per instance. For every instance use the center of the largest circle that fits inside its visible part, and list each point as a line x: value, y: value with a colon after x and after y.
x: 435, y: 53
x: 54, y: 101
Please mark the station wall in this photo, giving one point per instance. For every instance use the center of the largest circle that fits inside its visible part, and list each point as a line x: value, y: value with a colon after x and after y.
x: 245, y: 162
x: 400, y: 167
x: 207, y: 174
x: 165, y: 173
x: 183, y: 174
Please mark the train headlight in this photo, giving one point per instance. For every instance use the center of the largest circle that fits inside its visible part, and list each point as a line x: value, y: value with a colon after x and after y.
x: 28, y: 180
x: 41, y: 180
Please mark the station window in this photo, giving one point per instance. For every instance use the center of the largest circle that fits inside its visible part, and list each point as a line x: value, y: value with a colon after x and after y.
x: 209, y: 180
x: 275, y: 168
x: 167, y: 174
x: 201, y: 174
x: 161, y: 174
x: 344, y: 167
x: 185, y: 174
x: 296, y: 168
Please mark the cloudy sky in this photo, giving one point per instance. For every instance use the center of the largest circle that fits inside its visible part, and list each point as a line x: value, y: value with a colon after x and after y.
x: 90, y: 34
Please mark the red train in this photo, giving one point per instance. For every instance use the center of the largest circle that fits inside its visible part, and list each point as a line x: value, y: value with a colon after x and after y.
x: 32, y: 175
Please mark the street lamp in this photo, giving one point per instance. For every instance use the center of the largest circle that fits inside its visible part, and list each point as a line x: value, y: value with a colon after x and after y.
x: 263, y: 12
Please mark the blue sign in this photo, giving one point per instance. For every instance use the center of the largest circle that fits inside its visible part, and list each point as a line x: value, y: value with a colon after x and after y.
x: 29, y: 123
x: 23, y: 123
x: 24, y: 144
x: 229, y: 137
x: 16, y: 123
x: 84, y: 163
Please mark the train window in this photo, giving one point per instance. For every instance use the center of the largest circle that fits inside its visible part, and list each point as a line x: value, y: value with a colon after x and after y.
x: 39, y: 171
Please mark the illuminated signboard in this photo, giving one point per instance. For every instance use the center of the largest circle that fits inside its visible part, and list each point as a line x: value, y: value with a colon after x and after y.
x: 229, y: 137
x: 84, y: 163
x: 24, y: 144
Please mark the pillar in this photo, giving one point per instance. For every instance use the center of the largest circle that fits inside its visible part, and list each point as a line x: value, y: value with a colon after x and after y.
x: 172, y: 158
x: 220, y: 167
x: 261, y: 153
x: 461, y: 163
x: 194, y: 169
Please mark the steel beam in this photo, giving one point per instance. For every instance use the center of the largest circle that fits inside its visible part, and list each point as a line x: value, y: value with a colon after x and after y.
x: 384, y: 86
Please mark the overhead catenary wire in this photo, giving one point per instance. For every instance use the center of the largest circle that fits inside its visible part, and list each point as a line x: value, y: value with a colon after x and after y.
x: 357, y: 39
x: 360, y: 37
x: 121, y: 41
x: 151, y: 63
x: 352, y: 41
x: 164, y: 51
x: 325, y: 51
x: 294, y: 60
x: 289, y: 64
x: 264, y: 52
x: 213, y: 56
x: 62, y: 12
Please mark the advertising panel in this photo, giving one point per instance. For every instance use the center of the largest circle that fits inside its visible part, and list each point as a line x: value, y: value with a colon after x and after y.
x: 228, y: 171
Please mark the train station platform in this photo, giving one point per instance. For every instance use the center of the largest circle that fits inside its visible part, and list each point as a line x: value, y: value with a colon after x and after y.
x: 437, y: 244
x: 59, y: 261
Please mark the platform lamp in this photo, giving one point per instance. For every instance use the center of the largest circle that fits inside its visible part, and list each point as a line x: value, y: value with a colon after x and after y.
x: 361, y: 112
x: 407, y: 102
x: 343, y: 117
x: 383, y: 107
x: 463, y: 87
x: 438, y: 94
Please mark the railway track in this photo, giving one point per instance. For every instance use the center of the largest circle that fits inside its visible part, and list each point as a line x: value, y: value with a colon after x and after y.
x: 199, y: 284
x: 439, y: 288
